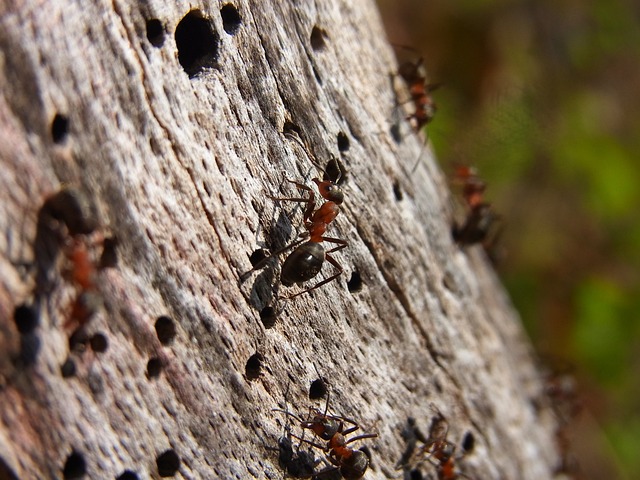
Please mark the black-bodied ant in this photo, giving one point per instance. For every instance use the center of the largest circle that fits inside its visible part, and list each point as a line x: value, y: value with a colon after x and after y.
x: 481, y: 217
x: 333, y: 429
x: 306, y: 261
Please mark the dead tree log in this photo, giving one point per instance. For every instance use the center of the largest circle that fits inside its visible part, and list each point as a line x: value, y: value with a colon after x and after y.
x: 170, y: 119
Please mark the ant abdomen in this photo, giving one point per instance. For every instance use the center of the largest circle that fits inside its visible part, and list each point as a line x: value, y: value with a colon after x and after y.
x: 303, y: 264
x: 354, y: 466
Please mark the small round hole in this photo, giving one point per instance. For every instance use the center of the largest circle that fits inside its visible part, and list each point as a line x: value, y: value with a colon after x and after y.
x: 154, y: 367
x: 230, y: 18
x: 318, y: 38
x: 75, y: 466
x: 79, y: 340
x: 26, y: 318
x: 257, y: 257
x: 468, y: 442
x: 343, y: 142
x: 397, y: 192
x: 165, y: 330
x: 317, y: 389
x: 128, y: 475
x: 99, y: 343
x: 168, y: 463
x: 355, y: 283
x: 197, y: 43
x: 269, y: 316
x: 254, y: 366
x: 68, y: 368
x: 59, y: 128
x: 155, y: 32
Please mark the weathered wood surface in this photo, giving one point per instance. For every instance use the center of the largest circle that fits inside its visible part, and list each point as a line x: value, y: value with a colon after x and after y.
x: 180, y: 170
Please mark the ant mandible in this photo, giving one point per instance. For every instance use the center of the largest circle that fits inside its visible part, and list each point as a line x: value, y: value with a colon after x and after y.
x: 352, y: 464
x: 305, y: 262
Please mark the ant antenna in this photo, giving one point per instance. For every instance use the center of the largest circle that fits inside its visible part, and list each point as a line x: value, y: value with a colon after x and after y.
x: 303, y: 144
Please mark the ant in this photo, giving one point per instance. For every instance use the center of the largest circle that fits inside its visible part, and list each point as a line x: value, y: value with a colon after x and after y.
x: 439, y: 451
x: 334, y: 429
x: 414, y: 75
x: 305, y: 262
x: 481, y: 217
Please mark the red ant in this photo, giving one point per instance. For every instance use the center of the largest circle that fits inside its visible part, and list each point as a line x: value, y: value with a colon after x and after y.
x: 413, y: 73
x: 481, y: 217
x: 439, y: 451
x: 352, y: 464
x: 305, y: 262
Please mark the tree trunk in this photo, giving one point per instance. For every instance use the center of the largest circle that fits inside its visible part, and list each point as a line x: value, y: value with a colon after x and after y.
x: 172, y: 125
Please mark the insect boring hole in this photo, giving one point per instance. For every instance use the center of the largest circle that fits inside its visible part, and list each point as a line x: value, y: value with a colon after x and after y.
x: 258, y: 257
x: 154, y: 367
x: 343, y: 142
x: 318, y: 38
x: 165, y: 330
x: 59, y: 128
x: 253, y: 368
x: 468, y: 442
x: 197, y: 42
x: 75, y: 466
x: 354, y: 284
x: 231, y: 19
x: 168, y: 463
x: 318, y: 389
x: 268, y: 316
x: 128, y: 475
x: 26, y: 318
x: 155, y: 32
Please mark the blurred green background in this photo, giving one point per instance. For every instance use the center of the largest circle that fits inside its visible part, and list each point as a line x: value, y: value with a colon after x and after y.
x: 543, y: 98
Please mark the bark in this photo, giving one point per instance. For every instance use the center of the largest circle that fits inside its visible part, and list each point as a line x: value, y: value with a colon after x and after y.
x: 175, y: 137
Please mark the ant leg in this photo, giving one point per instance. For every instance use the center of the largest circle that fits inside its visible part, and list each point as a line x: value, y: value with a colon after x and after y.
x: 264, y: 261
x: 360, y: 437
x: 326, y: 280
x: 310, y: 201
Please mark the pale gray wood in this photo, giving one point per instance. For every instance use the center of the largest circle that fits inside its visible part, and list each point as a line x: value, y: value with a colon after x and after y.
x: 180, y: 170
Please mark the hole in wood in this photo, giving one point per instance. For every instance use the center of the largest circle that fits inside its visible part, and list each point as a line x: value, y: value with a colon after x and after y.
x: 154, y: 367
x: 197, y: 43
x: 343, y: 142
x: 68, y: 368
x: 168, y: 463
x: 397, y: 192
x: 317, y: 389
x: 318, y: 38
x: 128, y: 475
x: 355, y: 283
x: 468, y: 442
x: 254, y: 366
x: 268, y: 316
x: 99, y: 343
x: 59, y: 128
x: 230, y: 18
x: 165, y: 330
x: 75, y: 466
x: 26, y: 318
x: 155, y: 32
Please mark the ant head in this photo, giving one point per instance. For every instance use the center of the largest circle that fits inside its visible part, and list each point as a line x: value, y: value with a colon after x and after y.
x: 330, y: 191
x: 323, y: 426
x: 355, y: 466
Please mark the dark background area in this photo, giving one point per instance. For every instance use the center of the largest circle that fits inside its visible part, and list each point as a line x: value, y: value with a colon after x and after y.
x: 542, y: 97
